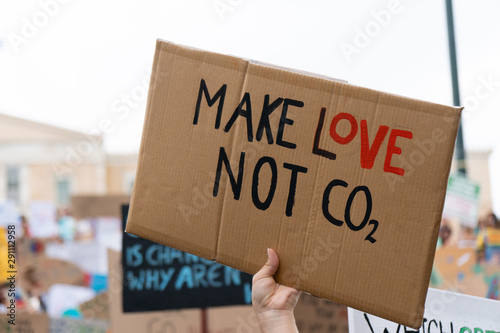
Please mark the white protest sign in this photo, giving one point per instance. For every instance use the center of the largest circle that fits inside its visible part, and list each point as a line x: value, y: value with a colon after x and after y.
x: 445, y: 312
x: 62, y: 297
x: 89, y: 256
x: 43, y: 219
x: 8, y: 214
x: 108, y: 232
x: 462, y: 200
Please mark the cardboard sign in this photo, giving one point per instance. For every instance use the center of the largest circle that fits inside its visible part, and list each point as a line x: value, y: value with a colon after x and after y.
x: 148, y: 322
x: 156, y: 277
x: 462, y: 200
x: 42, y: 272
x: 347, y: 184
x: 86, y: 206
x: 444, y: 312
x: 26, y: 323
x: 316, y: 315
x: 455, y: 269
x: 232, y: 319
x: 97, y: 307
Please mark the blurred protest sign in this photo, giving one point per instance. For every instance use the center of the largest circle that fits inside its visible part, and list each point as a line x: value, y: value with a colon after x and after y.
x: 26, y: 323
x: 87, y: 206
x: 462, y: 200
x: 41, y: 273
x: 90, y: 256
x: 63, y: 300
x: 97, y: 307
x: 232, y: 319
x: 157, y: 277
x: 444, y: 312
x: 313, y: 314
x: 8, y: 214
x: 42, y: 220
x: 108, y: 231
x: 453, y: 266
x: 154, y: 321
x: 456, y: 269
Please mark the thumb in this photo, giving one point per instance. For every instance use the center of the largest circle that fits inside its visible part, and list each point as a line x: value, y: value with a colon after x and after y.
x: 271, y: 266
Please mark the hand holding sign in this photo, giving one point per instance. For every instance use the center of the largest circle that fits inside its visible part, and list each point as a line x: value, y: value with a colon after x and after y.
x: 273, y: 303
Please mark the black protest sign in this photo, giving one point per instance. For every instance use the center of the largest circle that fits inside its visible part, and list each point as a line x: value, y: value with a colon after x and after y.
x: 157, y: 277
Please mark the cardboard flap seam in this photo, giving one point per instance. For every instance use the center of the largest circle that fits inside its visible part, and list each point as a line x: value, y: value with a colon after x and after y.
x: 232, y: 139
x: 316, y: 194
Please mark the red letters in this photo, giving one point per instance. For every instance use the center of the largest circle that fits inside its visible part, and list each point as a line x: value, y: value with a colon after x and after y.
x: 392, y: 149
x: 333, y: 128
x: 368, y: 154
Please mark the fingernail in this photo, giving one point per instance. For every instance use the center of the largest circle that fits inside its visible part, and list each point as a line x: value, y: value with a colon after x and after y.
x: 268, y: 252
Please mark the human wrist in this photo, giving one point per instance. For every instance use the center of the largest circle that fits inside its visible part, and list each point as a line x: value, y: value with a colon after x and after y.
x: 277, y: 321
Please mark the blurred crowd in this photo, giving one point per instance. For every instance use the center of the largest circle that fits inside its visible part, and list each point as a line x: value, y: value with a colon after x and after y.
x: 31, y: 260
x: 485, y: 238
x: 31, y: 252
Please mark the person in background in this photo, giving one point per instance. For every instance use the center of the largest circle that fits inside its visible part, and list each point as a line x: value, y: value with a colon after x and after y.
x: 67, y: 225
x: 444, y: 234
x: 26, y: 227
x: 273, y: 303
x: 3, y: 298
x: 489, y: 239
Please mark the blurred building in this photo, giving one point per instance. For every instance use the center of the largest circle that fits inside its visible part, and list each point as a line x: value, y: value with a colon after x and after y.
x: 40, y: 162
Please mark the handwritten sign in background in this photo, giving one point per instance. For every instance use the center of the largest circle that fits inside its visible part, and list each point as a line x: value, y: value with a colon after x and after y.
x: 157, y: 277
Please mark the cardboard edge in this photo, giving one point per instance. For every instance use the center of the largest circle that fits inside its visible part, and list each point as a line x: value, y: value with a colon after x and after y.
x: 297, y: 71
x: 258, y: 62
x: 433, y: 243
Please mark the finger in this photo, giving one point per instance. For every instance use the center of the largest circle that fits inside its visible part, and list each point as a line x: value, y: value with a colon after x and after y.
x: 271, y: 266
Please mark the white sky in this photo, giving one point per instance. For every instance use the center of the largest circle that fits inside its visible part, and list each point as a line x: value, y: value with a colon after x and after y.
x: 86, y: 56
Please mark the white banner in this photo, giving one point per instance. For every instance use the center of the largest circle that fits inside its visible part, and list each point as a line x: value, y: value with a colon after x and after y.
x: 445, y: 312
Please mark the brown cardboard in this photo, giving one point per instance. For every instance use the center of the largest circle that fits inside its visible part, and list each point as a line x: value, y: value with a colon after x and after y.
x: 87, y: 206
x: 456, y: 269
x: 232, y: 319
x: 97, y: 307
x: 26, y: 323
x: 188, y: 321
x: 316, y: 315
x: 43, y: 272
x: 384, y: 267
